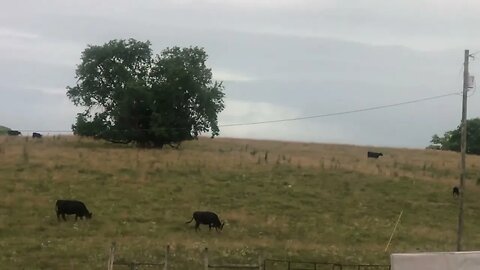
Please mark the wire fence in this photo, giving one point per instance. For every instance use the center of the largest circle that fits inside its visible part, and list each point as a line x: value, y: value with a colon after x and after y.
x: 272, y: 264
x: 261, y: 264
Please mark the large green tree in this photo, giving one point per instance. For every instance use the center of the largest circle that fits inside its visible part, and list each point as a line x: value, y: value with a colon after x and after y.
x: 129, y: 95
x: 451, y: 139
x: 4, y: 130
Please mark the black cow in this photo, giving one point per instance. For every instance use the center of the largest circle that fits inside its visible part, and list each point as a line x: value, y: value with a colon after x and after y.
x: 71, y: 207
x: 455, y: 192
x: 36, y: 135
x: 14, y: 133
x: 208, y: 218
x: 373, y: 154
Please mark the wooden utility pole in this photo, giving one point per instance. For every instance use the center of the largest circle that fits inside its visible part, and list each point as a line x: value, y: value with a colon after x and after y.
x: 165, y: 262
x: 205, y: 259
x: 463, y: 148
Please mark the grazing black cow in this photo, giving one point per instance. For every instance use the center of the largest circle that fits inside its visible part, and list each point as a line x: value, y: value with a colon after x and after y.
x: 36, y: 135
x: 208, y: 218
x: 373, y: 154
x: 455, y: 192
x: 71, y: 207
x: 14, y: 133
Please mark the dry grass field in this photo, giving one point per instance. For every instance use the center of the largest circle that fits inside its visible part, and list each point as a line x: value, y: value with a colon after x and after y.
x: 281, y: 199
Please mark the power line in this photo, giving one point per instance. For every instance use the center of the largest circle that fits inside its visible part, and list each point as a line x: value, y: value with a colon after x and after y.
x: 340, y: 113
x: 474, y: 53
x: 289, y: 119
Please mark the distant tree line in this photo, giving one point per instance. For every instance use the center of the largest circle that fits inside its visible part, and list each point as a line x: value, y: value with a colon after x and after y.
x: 4, y: 130
x: 451, y: 139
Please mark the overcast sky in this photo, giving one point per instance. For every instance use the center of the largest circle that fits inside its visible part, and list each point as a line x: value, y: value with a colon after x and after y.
x: 278, y: 59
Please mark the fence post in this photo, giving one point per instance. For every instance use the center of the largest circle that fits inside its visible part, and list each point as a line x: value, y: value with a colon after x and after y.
x: 288, y: 265
x: 260, y: 262
x: 165, y: 263
x: 205, y: 259
x: 132, y: 266
x: 111, y: 257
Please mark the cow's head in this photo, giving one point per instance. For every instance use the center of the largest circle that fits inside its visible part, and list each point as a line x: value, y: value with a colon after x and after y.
x: 89, y: 215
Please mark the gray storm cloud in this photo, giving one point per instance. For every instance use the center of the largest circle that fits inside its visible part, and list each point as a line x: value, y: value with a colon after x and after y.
x: 278, y: 59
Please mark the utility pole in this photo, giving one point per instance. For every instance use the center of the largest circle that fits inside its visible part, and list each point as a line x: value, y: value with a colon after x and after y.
x: 463, y: 148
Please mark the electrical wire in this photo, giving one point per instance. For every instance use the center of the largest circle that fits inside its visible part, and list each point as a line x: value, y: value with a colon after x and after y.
x: 289, y: 119
x: 340, y: 113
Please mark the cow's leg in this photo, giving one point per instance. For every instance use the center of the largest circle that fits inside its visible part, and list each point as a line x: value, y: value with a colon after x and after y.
x: 58, y: 216
x: 209, y: 227
x: 76, y: 217
x: 64, y: 218
x: 197, y: 225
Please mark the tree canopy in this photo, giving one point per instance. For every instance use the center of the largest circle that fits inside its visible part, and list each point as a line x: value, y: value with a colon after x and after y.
x: 129, y: 95
x: 4, y: 130
x: 451, y: 139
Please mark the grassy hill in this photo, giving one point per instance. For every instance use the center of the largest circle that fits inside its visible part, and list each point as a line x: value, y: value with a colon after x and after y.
x: 305, y: 201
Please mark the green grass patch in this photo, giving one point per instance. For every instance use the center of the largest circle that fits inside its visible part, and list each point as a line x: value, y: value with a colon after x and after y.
x: 342, y: 209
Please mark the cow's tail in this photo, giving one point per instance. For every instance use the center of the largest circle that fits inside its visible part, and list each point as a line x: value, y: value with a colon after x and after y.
x: 189, y: 221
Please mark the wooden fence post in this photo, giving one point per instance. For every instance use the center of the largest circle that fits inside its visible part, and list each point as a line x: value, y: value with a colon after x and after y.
x: 260, y: 262
x: 111, y: 257
x: 205, y: 259
x: 165, y: 263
